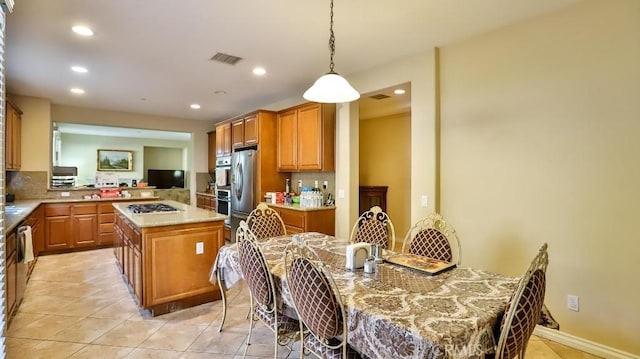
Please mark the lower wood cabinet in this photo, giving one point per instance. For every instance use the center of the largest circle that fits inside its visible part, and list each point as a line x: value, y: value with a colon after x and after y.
x: 207, y: 202
x: 322, y: 220
x: 57, y: 227
x: 163, y: 266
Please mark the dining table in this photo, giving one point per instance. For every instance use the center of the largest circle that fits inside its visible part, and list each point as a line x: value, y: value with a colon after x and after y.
x: 394, y: 312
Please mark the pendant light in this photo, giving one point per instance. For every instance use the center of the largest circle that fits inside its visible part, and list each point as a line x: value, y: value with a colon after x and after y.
x: 331, y: 87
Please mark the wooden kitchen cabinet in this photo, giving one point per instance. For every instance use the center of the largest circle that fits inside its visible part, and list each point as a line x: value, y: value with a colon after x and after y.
x: 373, y: 196
x: 206, y: 202
x: 306, y: 138
x: 57, y: 227
x: 245, y: 131
x: 72, y: 226
x: 84, y: 224
x: 161, y: 266
x: 223, y: 139
x: 211, y: 151
x: 106, y: 219
x: 322, y: 220
x: 35, y: 220
x: 13, y: 133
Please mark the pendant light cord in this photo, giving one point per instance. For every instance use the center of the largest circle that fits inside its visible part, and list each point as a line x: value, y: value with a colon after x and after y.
x: 332, y: 40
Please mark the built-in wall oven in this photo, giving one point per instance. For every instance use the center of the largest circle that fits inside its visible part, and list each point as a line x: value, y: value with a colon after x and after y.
x: 223, y: 197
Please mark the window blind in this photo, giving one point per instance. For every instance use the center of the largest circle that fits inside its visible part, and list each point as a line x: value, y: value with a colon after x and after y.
x: 3, y: 324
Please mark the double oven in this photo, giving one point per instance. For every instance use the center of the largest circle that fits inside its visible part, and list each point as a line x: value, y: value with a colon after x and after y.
x: 223, y: 187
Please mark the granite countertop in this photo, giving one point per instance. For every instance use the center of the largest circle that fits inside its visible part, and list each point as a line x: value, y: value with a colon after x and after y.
x: 17, y: 211
x: 184, y: 214
x: 207, y: 194
x: 296, y: 206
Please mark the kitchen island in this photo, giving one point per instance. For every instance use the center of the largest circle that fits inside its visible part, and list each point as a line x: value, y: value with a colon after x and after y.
x: 165, y: 257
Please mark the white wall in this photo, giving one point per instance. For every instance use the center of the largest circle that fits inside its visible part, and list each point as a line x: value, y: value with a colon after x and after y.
x: 81, y: 151
x: 541, y: 143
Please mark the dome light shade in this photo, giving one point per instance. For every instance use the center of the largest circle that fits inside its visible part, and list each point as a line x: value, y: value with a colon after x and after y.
x: 331, y: 88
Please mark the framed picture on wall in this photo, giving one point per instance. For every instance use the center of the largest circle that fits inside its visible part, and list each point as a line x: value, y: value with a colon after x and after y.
x: 115, y: 160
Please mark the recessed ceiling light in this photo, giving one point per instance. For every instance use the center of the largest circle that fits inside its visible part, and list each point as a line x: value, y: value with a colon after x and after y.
x: 77, y: 91
x: 82, y: 30
x: 399, y: 91
x: 259, y: 71
x: 195, y: 106
x: 79, y: 69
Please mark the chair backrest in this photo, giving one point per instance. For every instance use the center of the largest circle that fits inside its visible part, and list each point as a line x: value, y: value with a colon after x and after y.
x: 374, y: 226
x: 523, y: 311
x: 254, y: 268
x: 265, y: 222
x: 433, y: 237
x: 314, y: 295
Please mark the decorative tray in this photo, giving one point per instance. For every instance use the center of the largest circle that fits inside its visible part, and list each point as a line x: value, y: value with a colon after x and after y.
x: 427, y: 265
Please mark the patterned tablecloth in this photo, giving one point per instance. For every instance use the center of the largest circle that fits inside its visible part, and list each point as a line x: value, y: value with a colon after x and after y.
x: 398, y: 312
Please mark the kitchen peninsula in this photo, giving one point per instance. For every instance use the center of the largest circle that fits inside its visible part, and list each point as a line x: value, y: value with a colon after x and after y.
x: 165, y: 252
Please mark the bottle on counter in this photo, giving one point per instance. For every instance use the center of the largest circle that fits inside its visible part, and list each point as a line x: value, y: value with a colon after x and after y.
x: 287, y: 186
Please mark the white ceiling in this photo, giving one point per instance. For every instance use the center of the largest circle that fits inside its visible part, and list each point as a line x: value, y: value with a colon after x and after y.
x: 152, y: 56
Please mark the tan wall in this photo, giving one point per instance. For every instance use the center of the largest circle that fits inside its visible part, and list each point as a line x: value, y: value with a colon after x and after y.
x: 540, y: 143
x: 385, y: 160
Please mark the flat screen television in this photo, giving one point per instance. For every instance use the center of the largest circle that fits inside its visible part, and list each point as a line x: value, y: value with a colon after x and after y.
x: 163, y: 179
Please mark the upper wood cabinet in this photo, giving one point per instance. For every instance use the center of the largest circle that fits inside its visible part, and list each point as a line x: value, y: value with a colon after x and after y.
x: 211, y: 151
x: 13, y: 130
x: 245, y: 131
x: 306, y: 138
x: 223, y: 140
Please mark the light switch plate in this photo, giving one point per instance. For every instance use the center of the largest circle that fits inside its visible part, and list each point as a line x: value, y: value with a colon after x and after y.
x: 340, y: 193
x: 424, y: 201
x: 199, y: 247
x: 65, y: 194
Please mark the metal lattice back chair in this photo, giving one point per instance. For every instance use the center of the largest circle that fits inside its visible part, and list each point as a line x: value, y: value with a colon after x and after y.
x: 263, y: 300
x: 524, y: 309
x: 433, y: 237
x: 265, y: 222
x: 323, y: 321
x: 374, y: 226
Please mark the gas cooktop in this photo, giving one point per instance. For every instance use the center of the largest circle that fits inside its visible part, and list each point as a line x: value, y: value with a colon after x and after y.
x: 151, y: 208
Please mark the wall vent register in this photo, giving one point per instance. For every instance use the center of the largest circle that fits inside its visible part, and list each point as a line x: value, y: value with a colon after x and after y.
x: 151, y: 208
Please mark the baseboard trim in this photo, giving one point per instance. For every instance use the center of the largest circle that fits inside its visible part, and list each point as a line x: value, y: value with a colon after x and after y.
x: 582, y: 344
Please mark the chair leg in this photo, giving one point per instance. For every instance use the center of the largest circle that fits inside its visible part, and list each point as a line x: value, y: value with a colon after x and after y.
x: 250, y: 302
x: 249, y: 337
x: 223, y: 295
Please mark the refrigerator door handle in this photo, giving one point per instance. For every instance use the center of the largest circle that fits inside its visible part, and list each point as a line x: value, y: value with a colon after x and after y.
x: 239, y: 181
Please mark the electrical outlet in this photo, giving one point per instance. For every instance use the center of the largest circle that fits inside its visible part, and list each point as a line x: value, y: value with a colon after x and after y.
x: 199, y: 247
x: 65, y: 194
x: 340, y: 193
x: 325, y: 184
x: 424, y: 201
x: 573, y: 302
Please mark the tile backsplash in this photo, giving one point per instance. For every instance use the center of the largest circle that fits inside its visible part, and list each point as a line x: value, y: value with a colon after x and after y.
x: 34, y: 185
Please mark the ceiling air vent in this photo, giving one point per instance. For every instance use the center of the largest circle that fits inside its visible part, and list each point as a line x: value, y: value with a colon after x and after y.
x: 379, y: 96
x: 226, y: 58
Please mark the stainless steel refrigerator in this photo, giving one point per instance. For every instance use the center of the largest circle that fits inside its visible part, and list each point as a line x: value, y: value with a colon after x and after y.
x: 243, y: 187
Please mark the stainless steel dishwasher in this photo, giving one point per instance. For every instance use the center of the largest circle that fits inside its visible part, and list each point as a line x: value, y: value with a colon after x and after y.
x: 21, y: 264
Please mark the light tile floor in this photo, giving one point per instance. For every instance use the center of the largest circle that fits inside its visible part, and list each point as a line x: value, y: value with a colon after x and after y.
x: 77, y: 306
